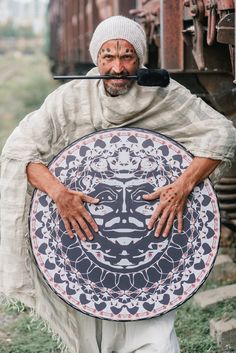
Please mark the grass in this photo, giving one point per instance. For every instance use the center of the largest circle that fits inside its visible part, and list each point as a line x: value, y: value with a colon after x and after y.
x: 192, y: 326
x: 22, y: 335
x: 192, y: 322
x: 24, y: 83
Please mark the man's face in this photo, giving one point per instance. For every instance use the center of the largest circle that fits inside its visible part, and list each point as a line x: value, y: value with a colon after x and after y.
x: 117, y: 57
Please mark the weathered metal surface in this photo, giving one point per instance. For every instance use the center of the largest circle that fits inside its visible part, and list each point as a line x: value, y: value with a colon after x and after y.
x: 72, y: 23
x: 226, y: 192
x: 212, y: 19
x: 205, y: 15
x: 171, y: 40
x: 226, y: 29
x: 225, y: 5
x: 76, y: 21
x: 82, y: 28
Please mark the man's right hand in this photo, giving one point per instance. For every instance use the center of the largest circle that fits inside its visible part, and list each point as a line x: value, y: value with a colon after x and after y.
x: 70, y: 203
x: 71, y: 208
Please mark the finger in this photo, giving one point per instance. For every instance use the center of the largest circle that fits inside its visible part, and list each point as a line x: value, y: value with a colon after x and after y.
x: 81, y: 211
x: 161, y: 223
x: 154, y: 217
x: 77, y: 229
x: 84, y: 226
x: 169, y: 225
x: 87, y: 216
x: 68, y: 228
x: 180, y: 221
x: 89, y: 199
x: 153, y: 196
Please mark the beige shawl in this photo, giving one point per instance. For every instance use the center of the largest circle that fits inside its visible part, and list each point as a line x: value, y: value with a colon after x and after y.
x: 72, y: 111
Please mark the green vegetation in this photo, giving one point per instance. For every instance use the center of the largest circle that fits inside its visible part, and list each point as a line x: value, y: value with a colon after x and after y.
x: 192, y: 326
x: 25, y: 82
x: 192, y: 323
x: 22, y: 335
x: 8, y: 30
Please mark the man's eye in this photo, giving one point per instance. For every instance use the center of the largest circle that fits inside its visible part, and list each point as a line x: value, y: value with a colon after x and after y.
x: 109, y: 57
x: 127, y: 57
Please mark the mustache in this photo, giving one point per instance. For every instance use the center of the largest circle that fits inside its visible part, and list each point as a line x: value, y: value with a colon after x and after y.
x: 123, y: 73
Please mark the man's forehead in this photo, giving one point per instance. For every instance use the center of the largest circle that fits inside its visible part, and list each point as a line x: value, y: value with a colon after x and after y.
x: 120, y: 44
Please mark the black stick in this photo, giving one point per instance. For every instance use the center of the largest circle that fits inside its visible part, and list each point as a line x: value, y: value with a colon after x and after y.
x: 144, y: 77
x: 96, y: 77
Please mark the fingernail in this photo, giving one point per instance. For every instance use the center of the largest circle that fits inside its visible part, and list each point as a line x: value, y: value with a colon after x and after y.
x: 157, y: 235
x: 149, y: 227
x: 84, y: 239
x: 96, y: 229
x: 165, y: 235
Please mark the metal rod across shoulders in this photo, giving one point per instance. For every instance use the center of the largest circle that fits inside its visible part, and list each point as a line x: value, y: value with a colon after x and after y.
x: 144, y: 77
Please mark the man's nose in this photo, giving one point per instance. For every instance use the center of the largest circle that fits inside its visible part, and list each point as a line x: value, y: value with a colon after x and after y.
x: 118, y: 66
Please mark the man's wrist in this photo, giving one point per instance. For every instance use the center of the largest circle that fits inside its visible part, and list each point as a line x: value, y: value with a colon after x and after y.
x: 189, y: 181
x: 56, y: 191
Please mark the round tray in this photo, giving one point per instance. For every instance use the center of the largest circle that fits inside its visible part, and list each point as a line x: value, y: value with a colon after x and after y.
x: 125, y: 273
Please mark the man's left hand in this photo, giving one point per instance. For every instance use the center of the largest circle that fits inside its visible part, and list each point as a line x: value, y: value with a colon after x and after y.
x: 173, y: 199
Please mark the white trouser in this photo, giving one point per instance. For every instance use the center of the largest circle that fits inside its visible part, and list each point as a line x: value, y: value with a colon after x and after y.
x: 155, y: 335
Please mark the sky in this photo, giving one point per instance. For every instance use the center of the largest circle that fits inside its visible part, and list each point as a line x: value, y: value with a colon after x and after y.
x: 45, y: 1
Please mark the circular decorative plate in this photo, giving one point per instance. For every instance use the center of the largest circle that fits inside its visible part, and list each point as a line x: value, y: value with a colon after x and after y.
x: 125, y: 273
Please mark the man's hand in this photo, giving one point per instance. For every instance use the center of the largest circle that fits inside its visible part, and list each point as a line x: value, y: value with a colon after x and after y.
x: 173, y: 200
x: 74, y: 214
x: 173, y: 197
x: 69, y: 203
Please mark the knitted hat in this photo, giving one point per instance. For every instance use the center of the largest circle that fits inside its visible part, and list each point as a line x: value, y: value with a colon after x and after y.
x: 119, y: 27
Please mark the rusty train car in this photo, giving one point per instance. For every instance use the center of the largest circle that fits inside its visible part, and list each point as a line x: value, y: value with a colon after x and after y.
x: 193, y: 39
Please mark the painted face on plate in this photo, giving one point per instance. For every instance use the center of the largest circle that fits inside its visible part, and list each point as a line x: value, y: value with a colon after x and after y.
x: 117, y: 57
x: 120, y: 176
x: 123, y: 241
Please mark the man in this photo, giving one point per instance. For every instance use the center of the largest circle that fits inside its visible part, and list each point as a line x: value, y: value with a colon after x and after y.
x: 76, y: 109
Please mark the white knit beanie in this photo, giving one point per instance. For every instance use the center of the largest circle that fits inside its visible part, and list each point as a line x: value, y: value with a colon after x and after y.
x: 119, y: 27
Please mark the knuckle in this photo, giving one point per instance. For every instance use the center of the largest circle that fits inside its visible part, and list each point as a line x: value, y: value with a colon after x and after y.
x: 89, y: 218
x: 76, y: 227
x: 81, y: 236
x: 80, y: 208
x: 152, y: 220
x: 63, y: 215
x: 85, y: 227
x: 65, y: 221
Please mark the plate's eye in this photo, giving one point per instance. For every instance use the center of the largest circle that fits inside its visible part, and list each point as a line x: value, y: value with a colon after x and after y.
x: 107, y: 196
x: 138, y: 195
